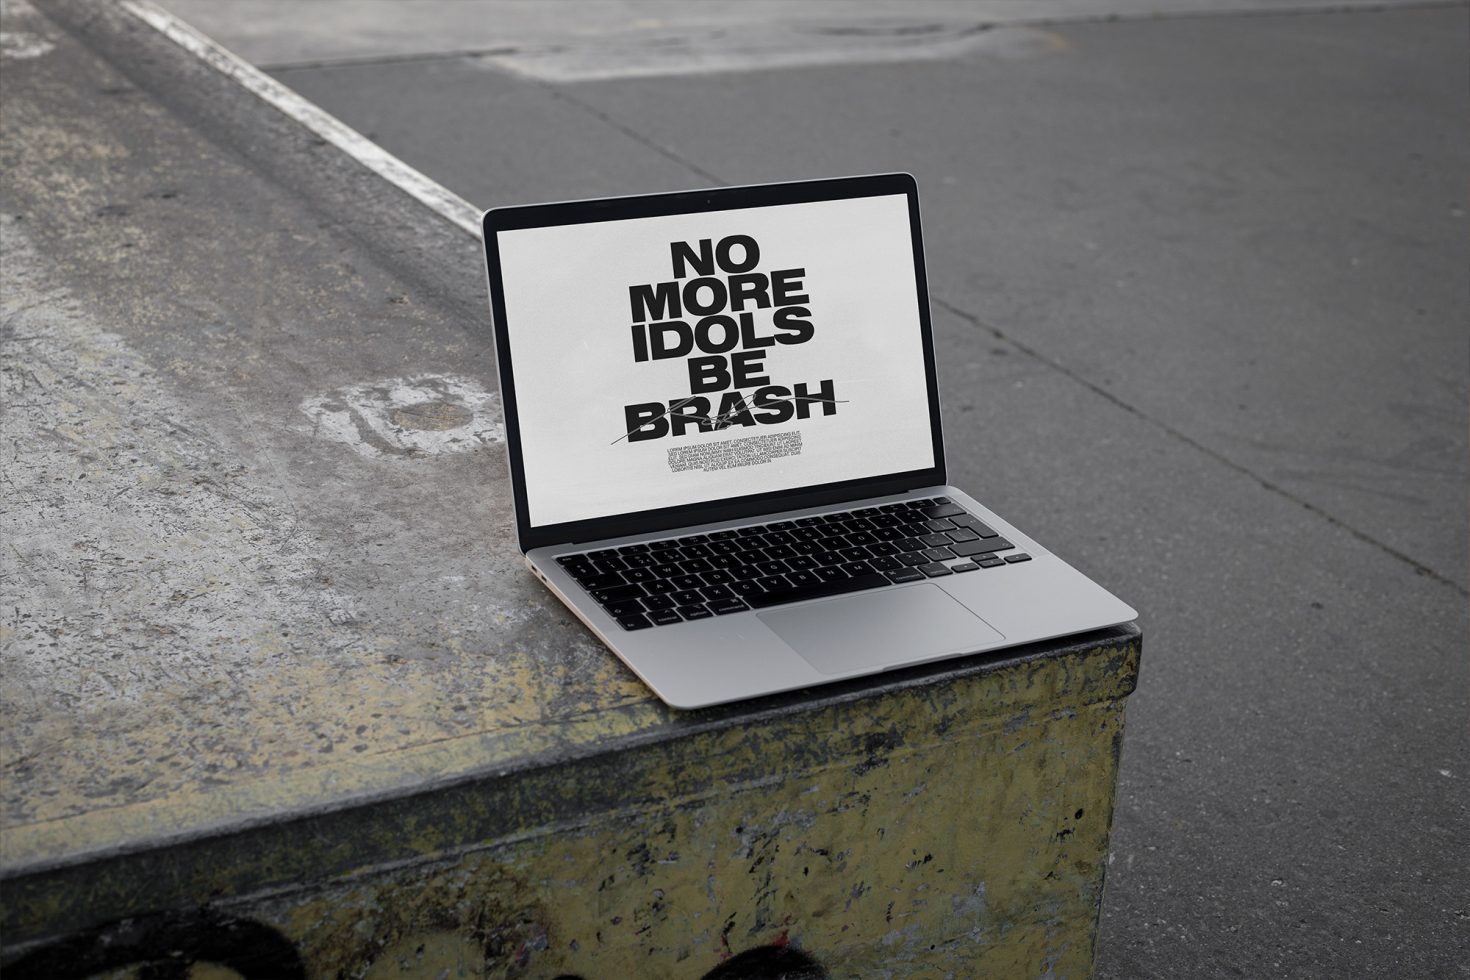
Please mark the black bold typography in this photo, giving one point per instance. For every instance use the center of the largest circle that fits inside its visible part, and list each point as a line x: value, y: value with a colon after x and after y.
x: 723, y: 316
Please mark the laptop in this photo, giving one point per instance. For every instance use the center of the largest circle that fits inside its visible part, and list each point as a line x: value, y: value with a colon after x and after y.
x: 724, y: 441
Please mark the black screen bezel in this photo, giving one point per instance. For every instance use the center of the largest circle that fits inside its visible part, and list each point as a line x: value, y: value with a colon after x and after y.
x: 656, y: 205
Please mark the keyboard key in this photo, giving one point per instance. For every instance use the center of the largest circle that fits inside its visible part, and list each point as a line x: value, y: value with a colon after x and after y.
x: 902, y: 574
x: 913, y: 558
x: 885, y: 563
x: 638, y: 575
x: 935, y: 540
x: 856, y: 568
x: 934, y: 569
x: 723, y: 607
x: 967, y: 548
x: 1018, y: 557
x: 744, y: 588
x: 623, y: 607
x: 665, y: 569
x: 726, y: 561
x: 974, y: 524
x: 695, y: 565
x: 721, y: 535
x: 613, y: 564
x: 617, y: 593
x: 716, y: 591
x: 687, y: 581
x: 962, y: 534
x: 584, y: 573
x: 963, y: 566
x: 942, y: 510
x: 745, y: 573
x: 665, y: 617
x: 630, y: 549
x: 771, y: 567
x: 659, y: 586
x: 606, y: 580
x: 937, y: 554
x: 604, y: 553
x: 855, y: 554
x: 692, y: 539
x: 802, y: 578
x: 718, y: 576
x: 770, y: 582
x: 700, y: 611
x: 872, y: 580
x: 656, y: 602
x: 801, y: 563
x: 991, y: 562
x: 635, y: 622
x: 832, y: 573
x: 939, y: 525
x: 686, y: 597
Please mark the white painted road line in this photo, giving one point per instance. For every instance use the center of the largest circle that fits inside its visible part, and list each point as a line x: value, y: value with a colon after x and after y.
x: 436, y: 196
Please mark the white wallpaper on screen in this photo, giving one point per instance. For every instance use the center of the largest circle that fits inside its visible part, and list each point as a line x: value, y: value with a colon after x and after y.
x: 671, y: 360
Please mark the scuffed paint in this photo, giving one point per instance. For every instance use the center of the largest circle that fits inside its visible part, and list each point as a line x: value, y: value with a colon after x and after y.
x: 976, y: 881
x: 975, y: 848
x: 429, y: 415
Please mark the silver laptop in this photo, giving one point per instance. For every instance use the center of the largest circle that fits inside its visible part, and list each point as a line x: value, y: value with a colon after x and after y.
x: 723, y: 430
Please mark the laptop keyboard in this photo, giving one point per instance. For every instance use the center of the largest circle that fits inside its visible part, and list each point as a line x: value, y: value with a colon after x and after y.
x: 659, y: 583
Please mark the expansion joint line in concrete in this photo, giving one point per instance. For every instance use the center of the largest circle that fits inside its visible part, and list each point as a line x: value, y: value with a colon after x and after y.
x: 633, y: 134
x: 465, y: 216
x: 1195, y: 444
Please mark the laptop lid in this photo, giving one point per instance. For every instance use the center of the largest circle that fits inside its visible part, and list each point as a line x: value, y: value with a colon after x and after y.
x: 702, y: 356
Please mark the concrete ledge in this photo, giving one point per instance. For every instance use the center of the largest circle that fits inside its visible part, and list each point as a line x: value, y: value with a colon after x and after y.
x: 274, y: 661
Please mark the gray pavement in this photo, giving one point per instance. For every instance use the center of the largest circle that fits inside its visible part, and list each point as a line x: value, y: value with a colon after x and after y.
x: 1200, y: 289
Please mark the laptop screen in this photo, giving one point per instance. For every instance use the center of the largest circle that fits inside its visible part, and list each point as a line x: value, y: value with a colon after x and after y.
x: 671, y: 360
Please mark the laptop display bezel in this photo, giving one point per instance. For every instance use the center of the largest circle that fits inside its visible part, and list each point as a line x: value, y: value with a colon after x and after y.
x: 497, y: 220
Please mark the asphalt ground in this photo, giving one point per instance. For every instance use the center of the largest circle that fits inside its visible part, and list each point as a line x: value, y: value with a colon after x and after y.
x: 1200, y: 302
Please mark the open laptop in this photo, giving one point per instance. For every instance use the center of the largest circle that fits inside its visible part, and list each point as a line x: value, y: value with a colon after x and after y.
x: 723, y: 430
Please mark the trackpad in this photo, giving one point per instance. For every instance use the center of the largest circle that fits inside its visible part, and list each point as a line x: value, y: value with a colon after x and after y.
x: 879, y: 629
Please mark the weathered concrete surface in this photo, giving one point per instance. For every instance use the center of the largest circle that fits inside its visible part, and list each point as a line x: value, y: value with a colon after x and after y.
x: 948, y: 824
x: 265, y: 628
